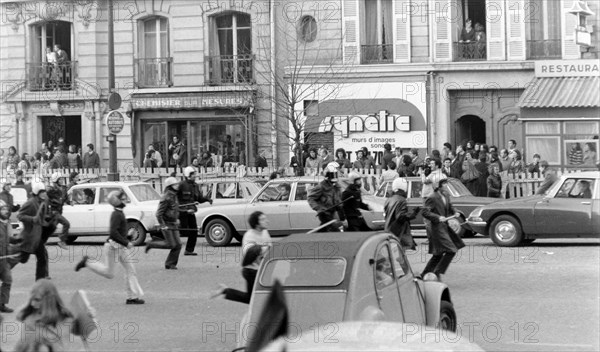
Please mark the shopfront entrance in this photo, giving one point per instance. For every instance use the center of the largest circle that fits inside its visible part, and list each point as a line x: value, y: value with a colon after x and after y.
x: 67, y: 127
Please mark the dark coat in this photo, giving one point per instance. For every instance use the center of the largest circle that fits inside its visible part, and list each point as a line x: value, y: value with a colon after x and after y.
x: 189, y: 193
x: 118, y: 227
x: 494, y: 186
x: 326, y: 198
x: 91, y: 161
x: 442, y: 239
x: 397, y: 218
x: 386, y: 158
x: 168, y: 208
x: 351, y: 206
x: 30, y: 216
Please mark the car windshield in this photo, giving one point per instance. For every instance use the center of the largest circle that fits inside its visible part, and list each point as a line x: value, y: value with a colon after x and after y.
x: 457, y: 188
x: 555, y: 187
x: 274, y: 191
x: 144, y: 193
x: 304, y: 272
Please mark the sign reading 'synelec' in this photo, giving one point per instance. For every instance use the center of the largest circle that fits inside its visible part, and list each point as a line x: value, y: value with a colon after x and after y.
x: 115, y: 122
x: 567, y: 68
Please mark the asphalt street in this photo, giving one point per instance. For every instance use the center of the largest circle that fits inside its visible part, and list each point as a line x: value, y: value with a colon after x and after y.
x: 539, y: 298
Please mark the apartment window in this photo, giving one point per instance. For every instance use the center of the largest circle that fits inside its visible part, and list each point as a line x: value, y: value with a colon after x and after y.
x: 50, y: 66
x: 154, y: 65
x: 231, y: 49
x: 543, y: 25
x: 376, y: 31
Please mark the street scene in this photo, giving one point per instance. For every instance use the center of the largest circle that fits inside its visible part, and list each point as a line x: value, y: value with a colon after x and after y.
x: 348, y: 175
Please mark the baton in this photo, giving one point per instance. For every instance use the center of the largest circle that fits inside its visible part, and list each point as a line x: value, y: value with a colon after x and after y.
x: 322, y: 226
x: 335, y: 206
x: 10, y: 256
x: 185, y: 205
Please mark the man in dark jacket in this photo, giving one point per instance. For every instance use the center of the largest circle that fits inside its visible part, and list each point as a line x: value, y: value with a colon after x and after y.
x: 8, y: 198
x: 397, y: 216
x: 443, y: 242
x: 91, y: 159
x: 549, y: 177
x: 187, y: 195
x: 168, y: 218
x: 31, y: 216
x: 5, y: 274
x: 387, y: 156
x: 353, y: 203
x: 326, y: 199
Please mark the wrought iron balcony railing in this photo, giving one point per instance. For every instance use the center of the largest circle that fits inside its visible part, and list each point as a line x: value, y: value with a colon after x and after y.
x: 376, y: 54
x: 471, y: 51
x: 230, y: 69
x: 48, y: 76
x: 154, y: 72
x: 548, y: 49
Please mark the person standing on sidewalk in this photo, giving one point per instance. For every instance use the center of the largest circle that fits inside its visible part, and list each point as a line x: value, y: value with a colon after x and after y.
x: 187, y: 196
x: 117, y: 249
x: 443, y: 242
x: 356, y: 222
x: 168, y: 218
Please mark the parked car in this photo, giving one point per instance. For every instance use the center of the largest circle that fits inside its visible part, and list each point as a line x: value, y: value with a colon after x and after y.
x: 228, y: 191
x: 569, y: 209
x: 289, y: 214
x: 329, y: 278
x: 89, y: 212
x: 463, y: 200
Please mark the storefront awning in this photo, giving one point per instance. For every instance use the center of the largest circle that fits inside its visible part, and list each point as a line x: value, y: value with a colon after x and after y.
x: 561, y: 92
x: 195, y: 101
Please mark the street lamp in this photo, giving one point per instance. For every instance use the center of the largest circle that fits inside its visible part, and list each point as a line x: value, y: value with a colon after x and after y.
x: 582, y: 32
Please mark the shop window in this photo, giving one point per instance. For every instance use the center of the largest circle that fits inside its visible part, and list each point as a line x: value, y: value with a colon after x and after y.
x: 547, y: 146
x: 154, y: 65
x: 543, y: 26
x: 376, y: 31
x: 542, y: 128
x: 307, y: 29
x: 230, y: 59
x: 225, y: 143
x: 582, y: 128
x: 51, y: 66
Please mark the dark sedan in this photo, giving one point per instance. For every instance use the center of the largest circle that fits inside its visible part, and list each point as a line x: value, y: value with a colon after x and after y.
x: 570, y: 209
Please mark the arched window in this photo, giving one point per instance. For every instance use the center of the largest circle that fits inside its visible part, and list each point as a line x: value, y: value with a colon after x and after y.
x: 231, y: 49
x: 154, y: 63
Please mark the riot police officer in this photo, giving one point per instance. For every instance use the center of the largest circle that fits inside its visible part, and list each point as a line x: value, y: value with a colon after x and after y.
x: 187, y: 195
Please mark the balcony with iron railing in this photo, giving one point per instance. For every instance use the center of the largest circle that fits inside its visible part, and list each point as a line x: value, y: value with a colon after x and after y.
x: 154, y: 72
x: 376, y: 54
x: 548, y: 49
x: 49, y: 76
x: 469, y: 51
x: 230, y: 69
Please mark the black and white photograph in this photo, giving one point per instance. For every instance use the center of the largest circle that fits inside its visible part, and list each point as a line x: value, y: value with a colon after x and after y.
x: 302, y: 175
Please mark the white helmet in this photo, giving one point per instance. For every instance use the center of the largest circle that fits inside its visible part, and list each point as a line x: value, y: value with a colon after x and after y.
x: 332, y: 167
x: 353, y: 176
x: 114, y: 198
x: 37, y: 187
x: 170, y: 182
x: 54, y: 177
x: 400, y: 183
x: 188, y: 171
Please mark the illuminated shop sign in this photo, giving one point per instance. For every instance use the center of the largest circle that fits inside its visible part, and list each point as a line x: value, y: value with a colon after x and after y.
x: 379, y: 122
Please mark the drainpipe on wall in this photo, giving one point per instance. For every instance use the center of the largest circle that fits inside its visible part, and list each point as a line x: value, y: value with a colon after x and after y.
x: 274, y: 139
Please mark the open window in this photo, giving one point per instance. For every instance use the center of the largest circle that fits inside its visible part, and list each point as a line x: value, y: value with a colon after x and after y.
x: 376, y: 31
x: 50, y: 65
x: 154, y: 63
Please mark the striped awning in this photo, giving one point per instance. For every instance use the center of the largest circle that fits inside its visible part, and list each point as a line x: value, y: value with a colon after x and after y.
x: 562, y: 92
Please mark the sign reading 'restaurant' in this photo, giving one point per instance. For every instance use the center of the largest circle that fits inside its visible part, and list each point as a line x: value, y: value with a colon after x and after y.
x: 567, y: 68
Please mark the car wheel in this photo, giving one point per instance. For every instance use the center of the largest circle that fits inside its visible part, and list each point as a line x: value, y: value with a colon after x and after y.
x: 218, y: 233
x: 70, y: 239
x: 505, y: 231
x: 137, y: 232
x: 447, y: 316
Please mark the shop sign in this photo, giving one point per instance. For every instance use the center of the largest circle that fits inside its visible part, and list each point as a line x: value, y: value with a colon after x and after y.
x: 115, y: 122
x: 567, y: 68
x: 193, y: 102
x: 380, y: 122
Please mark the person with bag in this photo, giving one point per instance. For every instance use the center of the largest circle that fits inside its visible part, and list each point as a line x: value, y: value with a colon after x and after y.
x: 470, y: 173
x: 397, y: 216
x: 255, y: 244
x: 443, y: 242
x: 356, y: 222
x: 177, y: 150
x: 168, y: 219
x: 117, y: 249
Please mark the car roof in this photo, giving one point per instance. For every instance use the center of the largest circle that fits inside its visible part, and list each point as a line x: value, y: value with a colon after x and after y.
x: 109, y: 184
x: 586, y: 174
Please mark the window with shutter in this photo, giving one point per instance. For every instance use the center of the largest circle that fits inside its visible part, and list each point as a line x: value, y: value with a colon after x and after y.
x: 542, y: 28
x: 442, y: 30
x: 496, y: 30
x: 515, y: 29
x: 350, y: 31
x: 401, y: 24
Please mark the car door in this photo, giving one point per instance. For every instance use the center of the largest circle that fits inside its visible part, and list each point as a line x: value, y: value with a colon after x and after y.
x: 269, y: 201
x: 414, y: 200
x: 103, y: 210
x: 80, y: 209
x: 302, y: 217
x: 413, y: 305
x: 568, y: 211
x: 386, y: 288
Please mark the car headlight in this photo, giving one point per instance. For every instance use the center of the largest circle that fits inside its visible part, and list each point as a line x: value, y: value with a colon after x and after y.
x: 476, y: 214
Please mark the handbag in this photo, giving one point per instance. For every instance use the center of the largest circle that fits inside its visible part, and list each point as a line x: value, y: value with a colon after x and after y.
x: 470, y: 174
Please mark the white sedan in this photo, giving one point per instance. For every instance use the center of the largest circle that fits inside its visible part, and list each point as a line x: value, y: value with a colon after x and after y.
x: 89, y: 212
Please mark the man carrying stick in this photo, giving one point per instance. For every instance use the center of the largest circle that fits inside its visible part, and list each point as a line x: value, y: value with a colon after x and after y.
x: 326, y: 199
x: 168, y: 218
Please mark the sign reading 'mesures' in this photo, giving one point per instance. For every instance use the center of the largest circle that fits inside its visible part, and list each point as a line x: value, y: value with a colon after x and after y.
x: 567, y: 68
x: 191, y: 102
x: 380, y: 122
